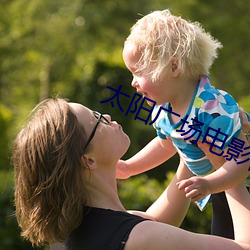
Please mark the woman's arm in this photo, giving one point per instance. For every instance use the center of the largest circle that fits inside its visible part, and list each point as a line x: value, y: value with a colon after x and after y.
x: 160, y: 236
x: 153, y: 154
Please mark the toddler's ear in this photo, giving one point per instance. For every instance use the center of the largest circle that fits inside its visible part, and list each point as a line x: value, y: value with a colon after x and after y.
x: 175, y: 66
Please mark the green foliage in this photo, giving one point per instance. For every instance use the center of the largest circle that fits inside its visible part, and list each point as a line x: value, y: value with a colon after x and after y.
x: 230, y: 71
x: 139, y: 192
x: 5, y: 124
x: 9, y: 231
x: 197, y: 221
x: 73, y: 48
x: 244, y: 102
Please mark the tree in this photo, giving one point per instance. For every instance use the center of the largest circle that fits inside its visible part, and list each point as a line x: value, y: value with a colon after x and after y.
x: 72, y: 48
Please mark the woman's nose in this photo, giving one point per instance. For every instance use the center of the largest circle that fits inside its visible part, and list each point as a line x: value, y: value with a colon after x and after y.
x: 108, y: 117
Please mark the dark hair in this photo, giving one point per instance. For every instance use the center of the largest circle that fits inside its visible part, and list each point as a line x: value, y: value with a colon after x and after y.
x: 49, y: 180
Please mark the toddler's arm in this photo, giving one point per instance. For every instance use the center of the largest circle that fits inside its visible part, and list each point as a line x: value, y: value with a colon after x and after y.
x: 228, y: 175
x: 153, y: 154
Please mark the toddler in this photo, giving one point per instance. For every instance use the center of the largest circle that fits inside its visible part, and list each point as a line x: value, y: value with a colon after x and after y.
x: 170, y: 59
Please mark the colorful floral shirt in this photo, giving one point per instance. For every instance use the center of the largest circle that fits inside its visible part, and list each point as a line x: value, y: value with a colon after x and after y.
x: 213, y: 114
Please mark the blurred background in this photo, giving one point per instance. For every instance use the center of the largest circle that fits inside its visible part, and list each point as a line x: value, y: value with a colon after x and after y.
x: 72, y: 48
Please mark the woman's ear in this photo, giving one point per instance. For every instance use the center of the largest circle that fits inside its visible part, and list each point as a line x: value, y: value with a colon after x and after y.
x: 89, y: 161
x: 175, y: 66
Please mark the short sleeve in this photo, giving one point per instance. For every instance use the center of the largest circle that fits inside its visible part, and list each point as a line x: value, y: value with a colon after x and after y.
x: 161, y: 124
x: 159, y: 134
x: 220, y: 116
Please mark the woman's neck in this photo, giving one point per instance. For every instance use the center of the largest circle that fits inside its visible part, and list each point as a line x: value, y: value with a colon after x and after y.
x: 102, y: 189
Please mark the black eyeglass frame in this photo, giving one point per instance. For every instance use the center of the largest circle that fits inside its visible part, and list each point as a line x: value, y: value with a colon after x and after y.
x: 100, y: 118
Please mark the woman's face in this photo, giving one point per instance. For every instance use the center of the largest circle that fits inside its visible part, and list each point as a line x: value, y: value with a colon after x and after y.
x: 109, y: 139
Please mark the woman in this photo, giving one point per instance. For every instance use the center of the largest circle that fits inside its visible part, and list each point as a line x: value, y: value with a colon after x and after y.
x: 65, y: 188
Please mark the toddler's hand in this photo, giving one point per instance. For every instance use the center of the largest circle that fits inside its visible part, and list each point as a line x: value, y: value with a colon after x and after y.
x: 122, y: 170
x: 194, y: 187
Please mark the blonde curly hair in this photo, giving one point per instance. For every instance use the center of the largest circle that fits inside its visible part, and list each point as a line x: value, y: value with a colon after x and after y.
x: 161, y: 36
x: 49, y: 181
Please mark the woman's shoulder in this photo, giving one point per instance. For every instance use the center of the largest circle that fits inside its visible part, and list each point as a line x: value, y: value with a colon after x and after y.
x: 110, y: 227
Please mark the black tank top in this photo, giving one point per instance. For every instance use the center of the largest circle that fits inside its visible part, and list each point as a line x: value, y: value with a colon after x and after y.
x: 102, y: 229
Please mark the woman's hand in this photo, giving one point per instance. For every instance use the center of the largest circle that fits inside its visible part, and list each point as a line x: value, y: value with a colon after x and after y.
x: 245, y: 124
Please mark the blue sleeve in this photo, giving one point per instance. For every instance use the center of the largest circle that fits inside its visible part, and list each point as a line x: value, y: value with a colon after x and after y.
x: 221, y: 119
x: 160, y: 125
x: 162, y: 136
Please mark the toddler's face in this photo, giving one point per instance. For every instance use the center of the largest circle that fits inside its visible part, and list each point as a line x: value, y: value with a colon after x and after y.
x: 142, y: 81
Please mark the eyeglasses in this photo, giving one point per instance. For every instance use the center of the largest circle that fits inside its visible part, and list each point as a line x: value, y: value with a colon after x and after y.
x: 100, y: 118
